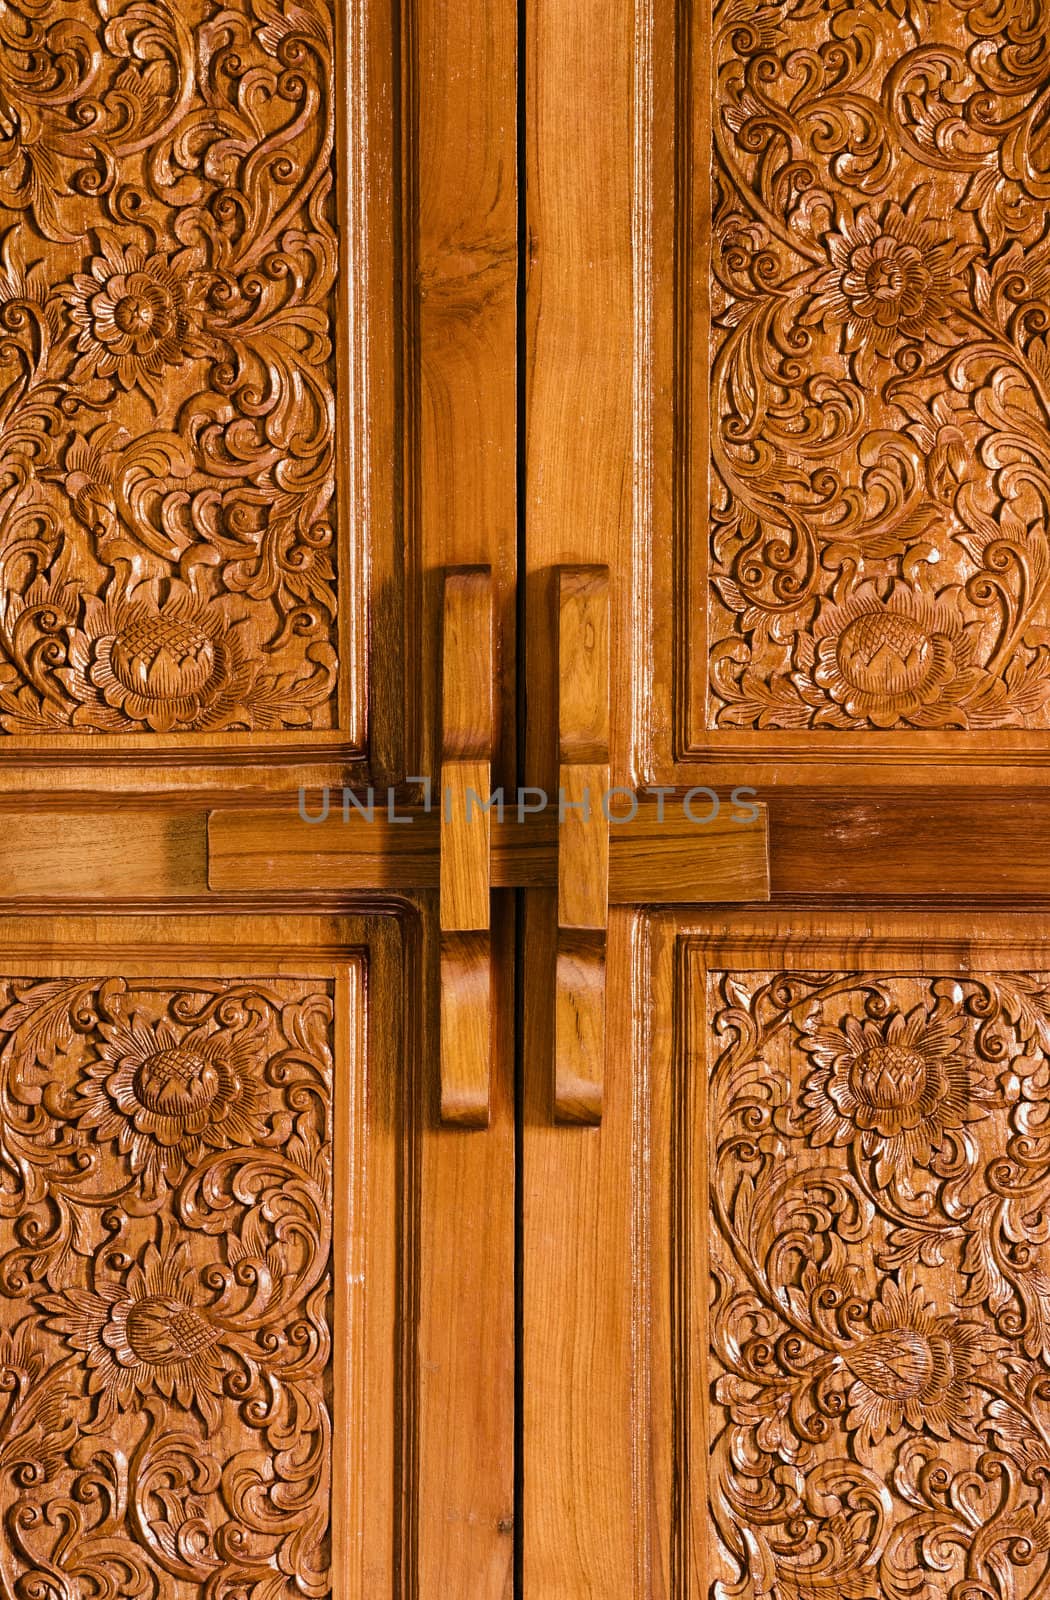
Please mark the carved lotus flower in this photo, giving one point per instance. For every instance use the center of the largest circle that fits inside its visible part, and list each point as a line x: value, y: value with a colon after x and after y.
x: 145, y: 1334
x: 175, y: 665
x: 913, y: 1366
x: 886, y: 662
x: 899, y: 1086
x: 892, y: 276
x: 136, y: 315
x: 166, y: 1098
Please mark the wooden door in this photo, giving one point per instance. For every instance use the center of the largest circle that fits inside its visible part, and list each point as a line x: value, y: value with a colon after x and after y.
x: 784, y: 1280
x: 257, y: 280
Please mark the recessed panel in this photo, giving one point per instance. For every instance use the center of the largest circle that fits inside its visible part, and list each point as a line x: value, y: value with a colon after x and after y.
x: 873, y: 1370
x: 171, y: 547
x: 168, y: 1340
x: 868, y: 299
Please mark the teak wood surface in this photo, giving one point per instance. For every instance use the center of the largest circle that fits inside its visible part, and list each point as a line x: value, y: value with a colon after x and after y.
x: 624, y: 393
x: 782, y: 1323
x: 257, y: 394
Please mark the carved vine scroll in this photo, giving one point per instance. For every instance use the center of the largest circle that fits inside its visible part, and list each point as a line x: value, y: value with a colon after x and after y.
x: 879, y: 1200
x: 167, y: 260
x: 880, y: 368
x: 165, y: 1261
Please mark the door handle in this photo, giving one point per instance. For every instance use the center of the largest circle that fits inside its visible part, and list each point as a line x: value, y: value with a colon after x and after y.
x: 465, y: 1040
x: 582, y: 634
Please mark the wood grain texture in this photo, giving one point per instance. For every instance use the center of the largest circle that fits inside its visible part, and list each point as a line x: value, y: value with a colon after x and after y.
x: 458, y: 323
x: 201, y: 1189
x: 889, y: 568
x: 461, y: 325
x: 463, y: 844
x: 791, y: 592
x: 198, y: 418
x: 466, y: 749
x: 466, y: 1029
x: 463, y: 899
x: 258, y: 287
x: 170, y: 351
x: 928, y: 843
x: 584, y: 1420
x: 50, y: 854
x: 583, y: 842
x: 580, y: 1495
x: 185, y: 1297
x: 838, y: 1195
x: 421, y: 1453
x: 583, y: 664
x: 657, y: 857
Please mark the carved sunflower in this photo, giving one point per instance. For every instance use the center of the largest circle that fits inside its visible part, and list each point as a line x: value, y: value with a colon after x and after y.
x: 913, y: 1366
x: 145, y: 1334
x: 885, y: 662
x: 899, y: 1086
x: 892, y: 276
x: 136, y: 315
x: 166, y: 1098
x: 176, y: 665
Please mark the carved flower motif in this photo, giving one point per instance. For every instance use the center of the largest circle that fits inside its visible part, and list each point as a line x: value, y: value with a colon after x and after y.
x: 145, y: 1335
x: 906, y: 659
x: 136, y: 314
x: 891, y: 276
x: 913, y: 1367
x: 899, y: 1086
x: 166, y: 1098
x: 174, y: 665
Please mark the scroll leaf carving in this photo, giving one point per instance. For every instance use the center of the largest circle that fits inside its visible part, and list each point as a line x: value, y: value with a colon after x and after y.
x: 167, y: 414
x: 880, y: 1322
x: 880, y: 373
x: 165, y: 1261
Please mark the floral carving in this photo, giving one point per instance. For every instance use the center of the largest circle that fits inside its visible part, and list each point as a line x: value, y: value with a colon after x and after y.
x: 891, y: 277
x: 144, y: 1334
x: 167, y: 1098
x: 904, y: 659
x: 880, y: 1324
x: 135, y: 663
x: 912, y: 1368
x: 168, y: 256
x: 165, y: 1265
x: 134, y: 316
x: 902, y: 1086
x: 879, y: 368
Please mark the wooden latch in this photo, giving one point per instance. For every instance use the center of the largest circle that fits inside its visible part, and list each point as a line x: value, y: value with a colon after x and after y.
x: 464, y: 848
x: 582, y: 632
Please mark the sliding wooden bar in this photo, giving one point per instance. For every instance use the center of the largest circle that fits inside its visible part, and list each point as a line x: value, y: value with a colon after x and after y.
x: 672, y: 861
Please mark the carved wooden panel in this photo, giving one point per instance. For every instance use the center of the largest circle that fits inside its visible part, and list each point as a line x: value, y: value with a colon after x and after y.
x: 877, y: 1345
x: 168, y: 257
x: 166, y: 1402
x: 868, y: 522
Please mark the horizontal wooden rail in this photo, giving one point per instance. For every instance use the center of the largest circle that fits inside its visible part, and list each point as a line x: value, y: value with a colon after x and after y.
x: 930, y: 845
x: 673, y: 861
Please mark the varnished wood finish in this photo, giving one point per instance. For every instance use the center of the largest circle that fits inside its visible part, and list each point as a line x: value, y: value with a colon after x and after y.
x: 174, y: 347
x: 779, y: 383
x: 199, y: 1208
x: 457, y: 234
x: 583, y: 842
x: 258, y: 287
x: 658, y: 856
x: 758, y: 665
x: 586, y: 487
x: 463, y: 899
x: 843, y: 1209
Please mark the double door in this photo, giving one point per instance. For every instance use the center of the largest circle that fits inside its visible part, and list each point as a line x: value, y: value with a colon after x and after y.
x: 635, y: 1189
